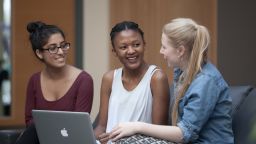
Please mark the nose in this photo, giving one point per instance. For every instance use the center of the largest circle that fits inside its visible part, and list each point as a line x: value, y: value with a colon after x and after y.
x: 130, y: 50
x: 60, y: 50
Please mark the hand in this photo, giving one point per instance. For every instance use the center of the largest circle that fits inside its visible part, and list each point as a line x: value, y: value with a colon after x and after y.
x: 103, y: 138
x: 122, y: 130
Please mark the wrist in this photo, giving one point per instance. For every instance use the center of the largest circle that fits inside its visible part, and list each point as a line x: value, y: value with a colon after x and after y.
x: 138, y: 127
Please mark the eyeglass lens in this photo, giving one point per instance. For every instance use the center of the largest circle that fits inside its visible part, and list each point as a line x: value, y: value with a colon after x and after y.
x: 55, y: 48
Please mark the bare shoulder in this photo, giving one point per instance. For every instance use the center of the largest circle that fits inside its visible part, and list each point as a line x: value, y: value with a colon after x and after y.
x: 159, y: 75
x: 106, y: 83
x: 108, y: 76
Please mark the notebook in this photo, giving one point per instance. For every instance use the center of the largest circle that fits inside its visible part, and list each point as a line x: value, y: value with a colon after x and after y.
x: 62, y: 127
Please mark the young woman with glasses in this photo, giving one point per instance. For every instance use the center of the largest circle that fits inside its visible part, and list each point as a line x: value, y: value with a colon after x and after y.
x: 58, y: 86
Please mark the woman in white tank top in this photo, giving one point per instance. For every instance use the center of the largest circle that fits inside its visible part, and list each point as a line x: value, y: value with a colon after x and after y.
x: 135, y: 92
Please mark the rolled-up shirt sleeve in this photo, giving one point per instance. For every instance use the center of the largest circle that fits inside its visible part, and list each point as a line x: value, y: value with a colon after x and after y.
x: 196, y: 106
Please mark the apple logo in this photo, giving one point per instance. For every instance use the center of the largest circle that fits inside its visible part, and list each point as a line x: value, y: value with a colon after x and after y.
x: 64, y: 132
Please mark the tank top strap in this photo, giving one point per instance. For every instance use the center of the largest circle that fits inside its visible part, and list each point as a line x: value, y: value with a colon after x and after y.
x: 152, y: 69
x: 117, y: 77
x: 147, y: 76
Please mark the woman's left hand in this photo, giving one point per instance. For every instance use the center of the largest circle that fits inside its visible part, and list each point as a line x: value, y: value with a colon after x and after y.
x: 123, y: 129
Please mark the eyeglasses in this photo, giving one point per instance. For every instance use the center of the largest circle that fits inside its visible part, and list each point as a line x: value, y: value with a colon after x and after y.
x: 53, y: 49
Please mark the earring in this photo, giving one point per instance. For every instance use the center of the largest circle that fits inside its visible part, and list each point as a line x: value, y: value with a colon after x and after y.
x: 180, y: 58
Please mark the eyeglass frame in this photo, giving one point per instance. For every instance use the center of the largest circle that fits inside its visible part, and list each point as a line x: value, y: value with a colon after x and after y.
x: 57, y: 47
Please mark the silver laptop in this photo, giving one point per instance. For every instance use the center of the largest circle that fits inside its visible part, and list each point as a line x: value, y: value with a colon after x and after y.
x: 62, y: 127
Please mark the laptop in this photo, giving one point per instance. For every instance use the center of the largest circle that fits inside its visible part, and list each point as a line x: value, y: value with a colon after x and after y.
x: 63, y: 127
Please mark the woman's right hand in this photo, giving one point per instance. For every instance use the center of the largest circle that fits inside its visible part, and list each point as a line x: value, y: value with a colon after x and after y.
x: 123, y: 130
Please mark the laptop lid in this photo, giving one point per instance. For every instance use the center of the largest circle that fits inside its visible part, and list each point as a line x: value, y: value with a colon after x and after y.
x: 63, y: 127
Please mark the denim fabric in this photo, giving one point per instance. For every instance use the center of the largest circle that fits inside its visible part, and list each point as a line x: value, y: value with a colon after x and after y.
x: 205, y: 110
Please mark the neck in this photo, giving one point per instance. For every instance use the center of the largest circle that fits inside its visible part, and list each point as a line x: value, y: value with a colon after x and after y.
x: 135, y: 73
x: 184, y: 60
x: 184, y: 66
x: 56, y: 73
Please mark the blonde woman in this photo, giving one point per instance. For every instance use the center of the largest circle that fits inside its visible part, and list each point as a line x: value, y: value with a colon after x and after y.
x: 202, y: 109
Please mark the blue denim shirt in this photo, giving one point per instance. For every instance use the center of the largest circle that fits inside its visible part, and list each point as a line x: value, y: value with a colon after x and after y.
x: 205, y: 110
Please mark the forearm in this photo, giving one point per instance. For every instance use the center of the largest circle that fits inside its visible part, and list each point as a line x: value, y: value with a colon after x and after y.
x: 99, y: 130
x: 171, y: 133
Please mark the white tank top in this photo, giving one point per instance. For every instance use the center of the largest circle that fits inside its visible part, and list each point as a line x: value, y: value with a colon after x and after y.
x: 128, y: 106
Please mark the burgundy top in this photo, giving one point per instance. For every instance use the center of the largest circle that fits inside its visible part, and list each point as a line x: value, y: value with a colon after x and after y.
x: 78, y: 98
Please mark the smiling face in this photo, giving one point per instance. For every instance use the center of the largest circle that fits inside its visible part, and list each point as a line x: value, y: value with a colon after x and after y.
x: 53, y: 60
x: 169, y: 52
x: 129, y: 48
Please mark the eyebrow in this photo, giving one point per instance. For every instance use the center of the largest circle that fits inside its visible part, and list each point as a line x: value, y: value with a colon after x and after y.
x: 56, y: 43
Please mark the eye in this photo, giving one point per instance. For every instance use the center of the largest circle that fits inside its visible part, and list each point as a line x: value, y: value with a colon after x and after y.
x: 52, y: 47
x: 123, y: 47
x: 63, y: 45
x: 136, y: 45
x: 163, y: 47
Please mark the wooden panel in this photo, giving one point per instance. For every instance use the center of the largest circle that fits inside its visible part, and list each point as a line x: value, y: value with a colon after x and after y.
x: 24, y: 63
x: 151, y: 15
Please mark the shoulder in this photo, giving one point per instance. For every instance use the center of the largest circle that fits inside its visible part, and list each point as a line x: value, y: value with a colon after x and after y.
x: 85, y: 75
x: 211, y: 75
x: 80, y: 74
x: 107, y: 80
x: 159, y: 75
x: 108, y: 76
x: 35, y: 76
x: 208, y: 82
x: 34, y: 81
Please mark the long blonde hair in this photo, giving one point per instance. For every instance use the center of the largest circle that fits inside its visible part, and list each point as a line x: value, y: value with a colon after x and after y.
x: 195, y: 38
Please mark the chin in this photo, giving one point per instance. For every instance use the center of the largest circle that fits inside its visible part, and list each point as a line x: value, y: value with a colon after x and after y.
x: 133, y: 66
x: 60, y: 65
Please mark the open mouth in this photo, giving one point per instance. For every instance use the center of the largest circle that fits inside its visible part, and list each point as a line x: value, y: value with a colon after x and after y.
x: 132, y: 59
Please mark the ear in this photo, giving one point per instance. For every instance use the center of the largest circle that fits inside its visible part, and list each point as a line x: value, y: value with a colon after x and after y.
x: 39, y: 54
x: 144, y: 45
x: 181, y: 51
x: 114, y: 52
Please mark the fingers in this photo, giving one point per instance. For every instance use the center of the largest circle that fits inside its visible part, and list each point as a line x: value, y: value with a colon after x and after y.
x: 103, y: 138
x: 117, y: 138
x: 115, y: 135
x: 103, y: 135
x: 117, y: 132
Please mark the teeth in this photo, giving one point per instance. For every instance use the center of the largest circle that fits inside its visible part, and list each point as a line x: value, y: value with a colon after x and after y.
x: 60, y: 59
x: 132, y: 58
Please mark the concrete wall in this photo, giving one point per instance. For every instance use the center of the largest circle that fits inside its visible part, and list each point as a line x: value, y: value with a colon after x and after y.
x: 96, y: 44
x: 236, y: 41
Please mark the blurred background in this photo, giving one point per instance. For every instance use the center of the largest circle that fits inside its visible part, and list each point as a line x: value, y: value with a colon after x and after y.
x: 87, y: 24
